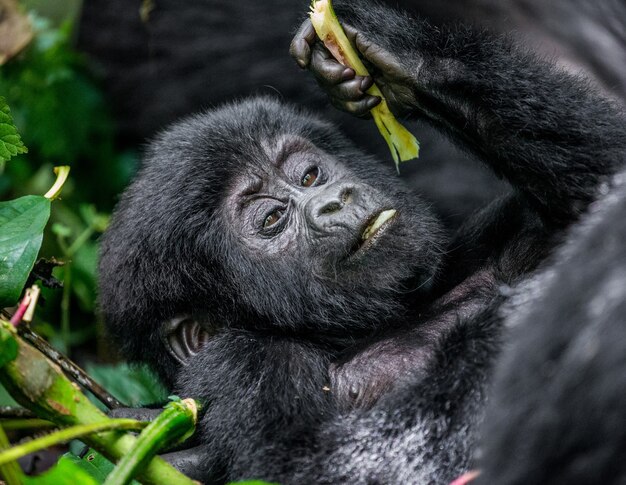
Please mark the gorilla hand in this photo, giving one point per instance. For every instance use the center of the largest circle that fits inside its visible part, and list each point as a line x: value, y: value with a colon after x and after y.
x: 346, y: 90
x: 360, y: 381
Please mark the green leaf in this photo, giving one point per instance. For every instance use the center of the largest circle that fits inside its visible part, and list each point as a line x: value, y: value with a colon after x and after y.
x: 5, y: 398
x: 22, y: 222
x: 67, y: 471
x: 10, y: 142
x: 62, y: 230
x: 94, y: 464
x: 134, y: 386
x: 84, y: 268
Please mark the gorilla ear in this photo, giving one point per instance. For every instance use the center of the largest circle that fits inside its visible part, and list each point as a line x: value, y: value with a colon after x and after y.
x: 184, y: 337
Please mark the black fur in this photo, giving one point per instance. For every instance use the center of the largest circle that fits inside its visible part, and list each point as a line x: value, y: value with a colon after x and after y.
x: 190, y: 55
x: 558, y: 411
x: 552, y: 136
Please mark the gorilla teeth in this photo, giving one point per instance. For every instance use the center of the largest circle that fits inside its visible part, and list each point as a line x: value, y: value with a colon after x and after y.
x: 383, y: 217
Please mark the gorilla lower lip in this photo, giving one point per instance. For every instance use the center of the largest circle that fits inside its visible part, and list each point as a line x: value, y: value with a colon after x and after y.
x: 375, y: 226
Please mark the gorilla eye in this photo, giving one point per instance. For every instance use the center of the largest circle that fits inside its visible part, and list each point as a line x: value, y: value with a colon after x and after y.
x: 310, y: 177
x: 272, y: 218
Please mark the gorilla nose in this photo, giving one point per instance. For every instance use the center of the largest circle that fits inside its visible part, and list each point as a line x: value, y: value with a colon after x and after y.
x: 331, y: 205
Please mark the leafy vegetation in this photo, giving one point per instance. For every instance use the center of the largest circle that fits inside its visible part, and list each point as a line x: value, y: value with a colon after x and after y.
x: 49, y: 225
x: 58, y: 108
x: 61, y: 115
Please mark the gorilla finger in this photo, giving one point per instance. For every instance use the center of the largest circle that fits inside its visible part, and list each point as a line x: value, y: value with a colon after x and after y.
x: 352, y: 90
x: 301, y: 52
x: 300, y: 48
x: 326, y: 69
x: 384, y: 60
x: 306, y: 31
x: 357, y: 108
x: 370, y: 51
x: 192, y: 462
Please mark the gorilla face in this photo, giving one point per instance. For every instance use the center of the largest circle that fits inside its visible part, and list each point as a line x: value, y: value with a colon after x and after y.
x: 256, y: 214
x: 303, y: 204
x: 326, y: 234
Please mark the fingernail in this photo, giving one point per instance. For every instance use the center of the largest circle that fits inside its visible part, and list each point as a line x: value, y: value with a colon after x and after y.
x: 366, y: 83
x: 301, y: 63
x: 373, y: 101
x: 347, y: 74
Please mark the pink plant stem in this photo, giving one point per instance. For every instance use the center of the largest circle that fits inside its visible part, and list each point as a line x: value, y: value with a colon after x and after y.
x: 16, y: 319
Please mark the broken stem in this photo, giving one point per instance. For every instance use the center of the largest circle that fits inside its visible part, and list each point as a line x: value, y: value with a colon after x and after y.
x: 65, y: 435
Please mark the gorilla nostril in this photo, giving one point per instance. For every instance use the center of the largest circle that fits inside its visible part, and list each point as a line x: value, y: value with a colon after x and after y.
x: 346, y: 196
x: 330, y: 208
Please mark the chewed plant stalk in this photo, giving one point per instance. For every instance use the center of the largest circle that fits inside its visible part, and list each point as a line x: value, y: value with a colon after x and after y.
x: 402, y: 144
x: 175, y: 424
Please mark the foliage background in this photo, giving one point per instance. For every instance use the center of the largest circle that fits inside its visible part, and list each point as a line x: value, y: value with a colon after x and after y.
x: 58, y: 107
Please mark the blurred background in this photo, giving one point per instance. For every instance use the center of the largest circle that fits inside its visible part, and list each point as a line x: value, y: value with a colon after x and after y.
x: 89, y: 82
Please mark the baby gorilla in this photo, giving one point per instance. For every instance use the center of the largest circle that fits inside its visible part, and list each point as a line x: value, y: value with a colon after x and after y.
x: 263, y: 264
x: 255, y: 245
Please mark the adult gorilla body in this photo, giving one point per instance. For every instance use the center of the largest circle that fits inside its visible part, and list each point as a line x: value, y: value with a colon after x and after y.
x: 279, y: 296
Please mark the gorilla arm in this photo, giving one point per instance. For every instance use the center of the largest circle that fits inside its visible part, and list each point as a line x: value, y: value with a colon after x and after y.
x: 551, y: 135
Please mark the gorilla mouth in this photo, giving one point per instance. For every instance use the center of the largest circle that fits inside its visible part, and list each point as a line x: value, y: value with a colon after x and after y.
x: 373, y: 228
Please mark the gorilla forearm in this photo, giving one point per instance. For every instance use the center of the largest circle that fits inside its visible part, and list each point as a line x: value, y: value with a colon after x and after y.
x: 550, y: 134
x: 421, y: 432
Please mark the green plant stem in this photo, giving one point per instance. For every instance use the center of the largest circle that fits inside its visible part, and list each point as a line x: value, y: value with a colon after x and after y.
x: 176, y: 421
x: 19, y: 424
x: 72, y: 370
x: 39, y: 385
x: 11, y: 472
x: 81, y: 239
x: 62, y: 244
x: 67, y: 434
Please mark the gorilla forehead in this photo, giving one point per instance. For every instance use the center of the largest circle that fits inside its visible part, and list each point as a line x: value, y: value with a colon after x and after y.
x: 230, y: 137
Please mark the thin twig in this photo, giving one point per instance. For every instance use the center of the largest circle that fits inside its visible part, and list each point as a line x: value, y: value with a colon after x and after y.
x: 12, y: 412
x: 70, y: 368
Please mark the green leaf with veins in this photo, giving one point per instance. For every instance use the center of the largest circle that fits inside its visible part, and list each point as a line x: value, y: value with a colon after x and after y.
x: 22, y: 222
x: 10, y: 142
